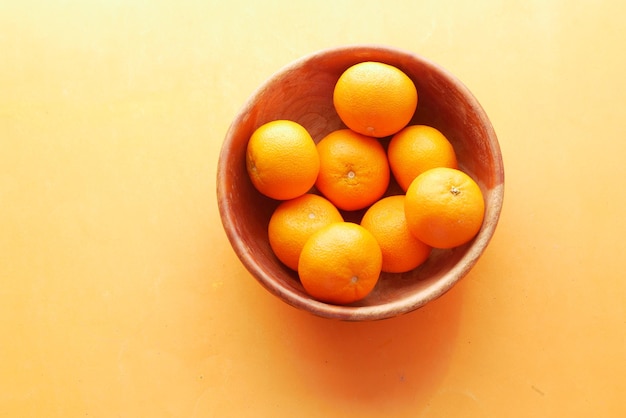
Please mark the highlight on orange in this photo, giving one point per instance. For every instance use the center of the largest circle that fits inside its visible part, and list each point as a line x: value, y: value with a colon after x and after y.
x: 341, y: 263
x: 375, y: 99
x: 417, y: 148
x: 282, y: 160
x: 402, y: 251
x: 354, y: 172
x: 444, y: 207
x: 294, y: 221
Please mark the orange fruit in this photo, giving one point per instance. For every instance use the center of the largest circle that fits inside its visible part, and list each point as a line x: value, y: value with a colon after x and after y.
x: 444, y: 207
x: 354, y: 172
x: 340, y: 263
x: 282, y: 160
x: 375, y: 99
x: 402, y: 251
x: 294, y: 221
x: 418, y: 148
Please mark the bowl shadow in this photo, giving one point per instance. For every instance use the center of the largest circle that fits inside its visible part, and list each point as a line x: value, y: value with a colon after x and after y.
x: 379, y: 365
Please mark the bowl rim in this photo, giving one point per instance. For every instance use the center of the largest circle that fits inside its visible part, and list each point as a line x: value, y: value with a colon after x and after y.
x: 387, y: 309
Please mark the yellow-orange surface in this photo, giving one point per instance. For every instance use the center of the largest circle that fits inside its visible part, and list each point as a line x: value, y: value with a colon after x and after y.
x: 121, y: 297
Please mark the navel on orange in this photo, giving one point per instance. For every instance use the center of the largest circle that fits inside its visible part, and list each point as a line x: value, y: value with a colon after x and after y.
x: 340, y: 263
x: 294, y: 221
x: 354, y: 172
x: 375, y: 99
x: 418, y: 148
x: 401, y: 250
x: 444, y: 207
x: 282, y: 160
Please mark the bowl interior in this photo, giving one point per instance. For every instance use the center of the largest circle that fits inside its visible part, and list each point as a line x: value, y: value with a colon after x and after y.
x: 302, y: 92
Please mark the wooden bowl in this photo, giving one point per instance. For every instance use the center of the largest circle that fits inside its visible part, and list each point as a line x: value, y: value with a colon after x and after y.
x: 302, y: 91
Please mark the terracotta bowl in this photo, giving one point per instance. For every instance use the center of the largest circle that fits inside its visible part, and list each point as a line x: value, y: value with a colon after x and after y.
x: 302, y: 91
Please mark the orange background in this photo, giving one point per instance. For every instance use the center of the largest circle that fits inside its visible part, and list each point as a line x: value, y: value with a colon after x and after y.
x: 121, y: 297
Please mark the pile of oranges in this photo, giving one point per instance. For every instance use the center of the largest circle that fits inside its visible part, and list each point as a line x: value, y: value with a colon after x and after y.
x: 349, y: 170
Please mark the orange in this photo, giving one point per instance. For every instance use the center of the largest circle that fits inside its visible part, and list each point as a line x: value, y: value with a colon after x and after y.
x: 294, y: 221
x: 340, y: 263
x: 444, y: 207
x: 354, y: 172
x: 418, y: 148
x: 282, y: 160
x: 402, y: 251
x: 375, y: 99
